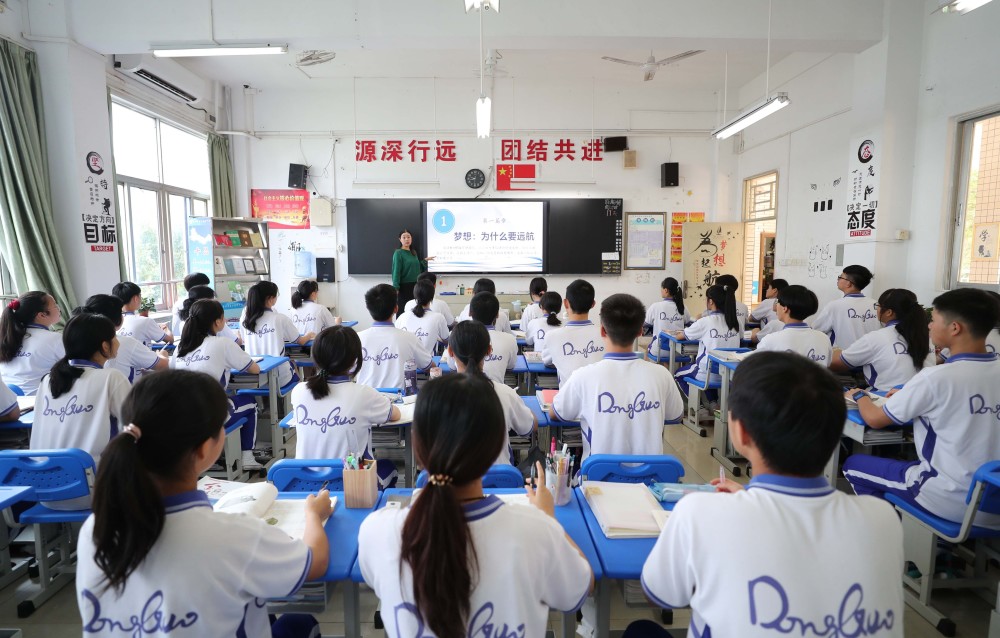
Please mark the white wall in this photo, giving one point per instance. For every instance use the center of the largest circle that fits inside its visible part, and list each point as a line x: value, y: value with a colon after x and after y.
x: 445, y: 109
x: 11, y: 21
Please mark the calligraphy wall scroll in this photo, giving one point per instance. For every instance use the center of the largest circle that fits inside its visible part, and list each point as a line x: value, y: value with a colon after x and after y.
x: 710, y: 250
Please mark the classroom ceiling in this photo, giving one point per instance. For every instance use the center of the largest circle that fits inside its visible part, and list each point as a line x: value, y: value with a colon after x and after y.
x: 436, y: 38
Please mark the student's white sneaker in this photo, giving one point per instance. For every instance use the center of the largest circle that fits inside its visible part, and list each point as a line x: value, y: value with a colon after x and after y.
x: 705, y: 414
x: 249, y: 462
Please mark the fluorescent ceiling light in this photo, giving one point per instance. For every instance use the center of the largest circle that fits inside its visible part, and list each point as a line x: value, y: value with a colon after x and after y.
x: 483, y: 4
x: 961, y: 6
x: 483, y: 107
x: 756, y: 114
x: 222, y: 49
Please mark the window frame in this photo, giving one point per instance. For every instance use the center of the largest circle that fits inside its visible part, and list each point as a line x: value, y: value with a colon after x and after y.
x: 751, y: 251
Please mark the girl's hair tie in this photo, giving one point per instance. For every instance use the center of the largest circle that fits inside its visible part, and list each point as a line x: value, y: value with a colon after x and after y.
x: 14, y: 304
x: 133, y: 430
x: 439, y: 480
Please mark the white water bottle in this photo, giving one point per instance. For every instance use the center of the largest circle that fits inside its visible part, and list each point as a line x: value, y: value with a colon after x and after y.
x: 410, y: 377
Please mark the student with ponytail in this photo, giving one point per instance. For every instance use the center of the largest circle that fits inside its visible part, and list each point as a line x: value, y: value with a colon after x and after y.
x: 894, y: 354
x: 720, y: 328
x: 429, y: 327
x: 28, y: 349
x: 442, y: 565
x: 536, y: 289
x: 667, y: 315
x: 333, y: 416
x: 307, y: 315
x: 203, y: 349
x: 133, y: 357
x: 154, y: 557
x: 265, y: 332
x: 732, y: 284
x: 79, y: 402
x: 436, y: 304
x: 194, y: 294
x: 467, y: 348
x: 537, y: 329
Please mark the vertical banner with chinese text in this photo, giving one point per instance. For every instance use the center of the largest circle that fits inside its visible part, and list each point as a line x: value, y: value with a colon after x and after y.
x: 863, y: 191
x: 710, y: 249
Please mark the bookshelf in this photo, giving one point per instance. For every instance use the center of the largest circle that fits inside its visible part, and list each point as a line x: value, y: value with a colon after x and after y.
x: 237, y: 256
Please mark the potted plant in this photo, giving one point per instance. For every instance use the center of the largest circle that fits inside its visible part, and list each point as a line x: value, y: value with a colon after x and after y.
x: 145, y: 305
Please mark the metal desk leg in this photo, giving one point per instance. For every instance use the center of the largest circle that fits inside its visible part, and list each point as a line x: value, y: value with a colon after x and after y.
x: 277, y: 437
x: 410, y: 471
x: 830, y: 471
x: 9, y: 572
x: 723, y: 449
x: 603, y: 600
x: 568, y: 624
x: 352, y: 610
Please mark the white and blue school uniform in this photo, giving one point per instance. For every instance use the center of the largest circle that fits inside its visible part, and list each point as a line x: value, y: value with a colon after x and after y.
x: 85, y: 417
x: 39, y: 351
x: 622, y: 403
x: 956, y: 428
x: 816, y: 561
x: 8, y: 400
x: 885, y: 357
x: 711, y: 332
x: 846, y: 319
x: 663, y: 316
x: 537, y: 330
x: 430, y: 330
x: 742, y: 313
x: 516, y: 415
x: 764, y: 312
x: 311, y: 317
x: 217, y: 356
x: 141, y: 328
x: 771, y: 327
x: 176, y: 323
x: 242, y: 561
x: 575, y: 345
x: 385, y: 349
x: 226, y: 332
x: 437, y: 306
x: 271, y: 332
x: 498, y: 605
x: 132, y: 358
x: 532, y: 312
x: 799, y: 338
x: 992, y: 341
x: 504, y: 355
x: 502, y: 323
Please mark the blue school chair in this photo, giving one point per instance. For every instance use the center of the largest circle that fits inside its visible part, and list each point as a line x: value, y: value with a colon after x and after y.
x: 232, y: 454
x: 627, y: 468
x: 307, y: 475
x: 16, y: 389
x: 498, y: 476
x: 55, y: 475
x: 920, y: 533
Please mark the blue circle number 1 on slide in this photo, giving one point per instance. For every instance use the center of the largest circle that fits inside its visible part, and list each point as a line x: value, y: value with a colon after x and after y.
x: 444, y: 220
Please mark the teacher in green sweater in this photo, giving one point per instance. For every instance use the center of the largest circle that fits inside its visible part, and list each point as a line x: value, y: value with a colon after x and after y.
x: 406, y: 267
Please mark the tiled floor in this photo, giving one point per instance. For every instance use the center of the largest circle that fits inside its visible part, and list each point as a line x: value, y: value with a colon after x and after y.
x: 59, y: 617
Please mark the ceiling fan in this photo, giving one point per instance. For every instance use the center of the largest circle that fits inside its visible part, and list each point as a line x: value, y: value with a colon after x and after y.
x: 650, y: 66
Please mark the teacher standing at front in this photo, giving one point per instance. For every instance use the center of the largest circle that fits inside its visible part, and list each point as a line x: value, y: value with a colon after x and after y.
x: 406, y: 267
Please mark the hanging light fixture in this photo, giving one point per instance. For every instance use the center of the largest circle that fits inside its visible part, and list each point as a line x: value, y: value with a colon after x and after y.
x: 482, y: 4
x: 483, y: 104
x: 952, y: 6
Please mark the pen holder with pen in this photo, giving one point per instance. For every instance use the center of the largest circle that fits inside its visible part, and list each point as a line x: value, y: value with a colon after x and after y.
x: 361, y: 486
x: 559, y: 485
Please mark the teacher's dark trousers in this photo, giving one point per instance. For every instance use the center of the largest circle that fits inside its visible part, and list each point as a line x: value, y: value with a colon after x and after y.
x: 405, y: 294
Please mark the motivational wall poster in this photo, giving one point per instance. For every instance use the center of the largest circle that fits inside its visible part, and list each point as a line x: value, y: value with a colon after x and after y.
x: 863, y: 189
x: 677, y: 232
x: 286, y: 208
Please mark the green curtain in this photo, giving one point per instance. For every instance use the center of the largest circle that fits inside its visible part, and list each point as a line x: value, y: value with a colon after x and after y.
x: 29, y: 243
x: 220, y: 164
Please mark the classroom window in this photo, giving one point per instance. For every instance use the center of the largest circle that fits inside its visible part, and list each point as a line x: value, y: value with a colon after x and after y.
x: 760, y: 211
x: 977, y: 222
x: 163, y: 178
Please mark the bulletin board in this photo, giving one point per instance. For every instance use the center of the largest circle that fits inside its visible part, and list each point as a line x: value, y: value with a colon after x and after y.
x: 710, y: 250
x: 645, y: 241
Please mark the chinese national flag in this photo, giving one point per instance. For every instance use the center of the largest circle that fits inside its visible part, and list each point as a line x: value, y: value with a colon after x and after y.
x: 511, y: 177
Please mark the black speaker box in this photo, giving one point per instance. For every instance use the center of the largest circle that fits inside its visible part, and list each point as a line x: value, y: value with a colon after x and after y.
x: 615, y: 144
x: 669, y: 174
x: 325, y: 271
x: 297, y: 174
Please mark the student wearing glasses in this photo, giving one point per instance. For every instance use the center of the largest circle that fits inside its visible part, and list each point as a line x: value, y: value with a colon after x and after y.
x: 849, y: 318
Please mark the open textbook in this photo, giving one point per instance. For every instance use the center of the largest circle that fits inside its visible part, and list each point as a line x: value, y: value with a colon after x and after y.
x: 261, y: 501
x: 624, y: 510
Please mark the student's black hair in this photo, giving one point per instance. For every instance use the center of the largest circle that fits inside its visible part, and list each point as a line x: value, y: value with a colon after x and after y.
x: 676, y: 294
x: 202, y: 315
x: 257, y: 297
x: 728, y: 280
x: 858, y: 275
x: 484, y: 285
x: 194, y: 294
x: 538, y: 286
x: 484, y: 308
x: 429, y: 276
x: 622, y: 316
x: 799, y: 301
x: 976, y: 309
x: 14, y: 323
x: 551, y: 302
x: 777, y: 284
x: 724, y: 299
x: 423, y: 294
x: 337, y: 352
x: 105, y: 305
x: 128, y: 507
x: 196, y: 279
x: 580, y: 295
x: 470, y: 342
x: 302, y: 292
x: 84, y: 335
x: 996, y: 298
x: 436, y: 541
x: 792, y: 408
x: 381, y: 301
x: 126, y: 291
x: 912, y: 326
x: 413, y: 251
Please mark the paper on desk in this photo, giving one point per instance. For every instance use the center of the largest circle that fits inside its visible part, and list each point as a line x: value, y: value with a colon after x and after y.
x: 26, y: 404
x: 660, y: 516
x: 261, y: 500
x: 405, y: 413
x: 533, y: 357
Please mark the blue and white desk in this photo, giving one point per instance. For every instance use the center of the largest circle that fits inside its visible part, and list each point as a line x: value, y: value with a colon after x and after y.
x: 723, y: 360
x: 266, y: 378
x: 676, y: 348
x: 26, y: 420
x: 855, y: 433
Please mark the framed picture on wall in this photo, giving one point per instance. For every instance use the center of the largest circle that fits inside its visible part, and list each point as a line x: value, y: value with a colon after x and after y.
x: 645, y: 241
x: 248, y: 265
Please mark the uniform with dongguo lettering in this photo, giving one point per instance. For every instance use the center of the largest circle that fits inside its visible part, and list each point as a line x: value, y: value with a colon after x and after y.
x: 271, y: 332
x: 39, y: 352
x: 311, y: 317
x: 431, y: 329
x: 799, y: 338
x: 132, y: 358
x: 340, y: 423
x: 573, y: 346
x: 884, y: 356
x: 663, y: 316
x: 503, y: 357
x: 846, y: 320
x: 385, y: 349
x: 710, y: 332
x: 144, y: 329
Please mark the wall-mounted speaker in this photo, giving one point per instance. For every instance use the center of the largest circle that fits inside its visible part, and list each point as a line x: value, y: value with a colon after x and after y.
x: 669, y: 174
x: 325, y: 271
x: 297, y: 174
x: 615, y: 144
